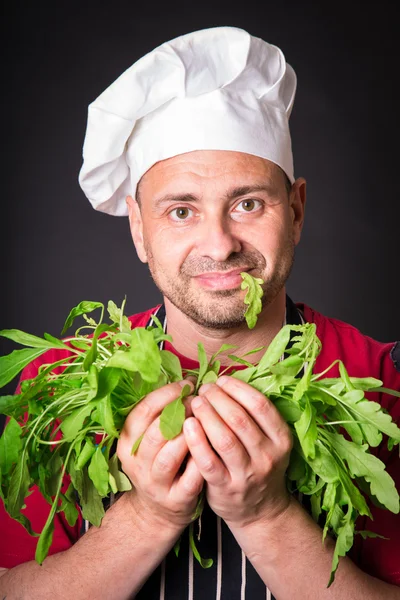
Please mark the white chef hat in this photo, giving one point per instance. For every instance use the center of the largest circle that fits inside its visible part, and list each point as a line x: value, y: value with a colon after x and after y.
x: 214, y: 89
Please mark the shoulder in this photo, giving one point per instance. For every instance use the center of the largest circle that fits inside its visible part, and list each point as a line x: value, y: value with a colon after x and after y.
x: 362, y: 355
x: 346, y: 342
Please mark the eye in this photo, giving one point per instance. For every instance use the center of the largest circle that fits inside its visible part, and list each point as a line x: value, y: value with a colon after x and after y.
x: 248, y: 205
x: 181, y: 213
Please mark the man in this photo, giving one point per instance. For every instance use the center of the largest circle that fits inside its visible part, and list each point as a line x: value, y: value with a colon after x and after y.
x: 193, y: 143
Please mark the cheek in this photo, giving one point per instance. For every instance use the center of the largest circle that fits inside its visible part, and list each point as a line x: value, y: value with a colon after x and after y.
x: 167, y: 246
x: 270, y: 235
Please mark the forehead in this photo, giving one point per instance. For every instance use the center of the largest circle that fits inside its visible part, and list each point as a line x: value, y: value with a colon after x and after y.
x: 204, y: 169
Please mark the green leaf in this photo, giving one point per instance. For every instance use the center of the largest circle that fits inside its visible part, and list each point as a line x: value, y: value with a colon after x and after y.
x: 46, y: 535
x: 92, y: 378
x: 359, y: 383
x: 272, y: 384
x: 91, y: 503
x: 45, y: 539
x: 171, y: 365
x: 348, y: 493
x: 136, y: 445
x: 245, y: 374
x: 225, y: 348
x: 371, y: 417
x: 68, y: 506
x: 297, y: 466
x: 104, y: 415
x: 370, y: 534
x: 330, y: 496
x: 54, y: 468
x: 240, y: 360
x: 290, y: 411
x: 363, y: 464
x: 177, y: 547
x: 345, y: 377
x: 204, y: 562
x: 85, y: 454
x: 118, y: 317
x: 304, y: 383
x: 12, y: 364
x: 315, y: 501
x: 324, y: 464
x: 9, y: 405
x: 25, y: 522
x: 216, y: 366
x: 108, y: 380
x: 291, y: 365
x: 340, y: 413
x: 343, y: 544
x: 112, y: 483
x: 10, y: 446
x: 76, y: 475
x: 199, y: 505
x: 210, y: 377
x: 143, y: 356
x: 275, y: 350
x: 122, y: 482
x: 98, y: 472
x: 306, y: 429
x: 26, y: 339
x: 18, y: 487
x: 203, y: 364
x: 252, y: 298
x: 91, y: 355
x: 83, y: 308
x: 173, y: 416
x: 74, y: 422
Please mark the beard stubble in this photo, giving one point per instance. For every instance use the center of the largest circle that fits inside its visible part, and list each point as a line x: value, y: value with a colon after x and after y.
x: 220, y: 309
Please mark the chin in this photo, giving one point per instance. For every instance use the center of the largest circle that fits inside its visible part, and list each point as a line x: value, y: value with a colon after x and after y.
x: 213, y: 315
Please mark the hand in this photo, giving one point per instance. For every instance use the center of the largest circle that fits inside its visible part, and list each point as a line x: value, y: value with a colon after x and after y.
x: 241, y: 446
x: 163, y: 491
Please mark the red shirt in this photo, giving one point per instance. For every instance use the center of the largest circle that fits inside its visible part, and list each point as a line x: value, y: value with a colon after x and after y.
x: 362, y: 356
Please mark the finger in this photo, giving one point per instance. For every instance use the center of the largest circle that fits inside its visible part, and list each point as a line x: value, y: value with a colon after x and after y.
x: 150, y: 408
x: 237, y: 419
x: 191, y: 481
x: 213, y: 445
x: 168, y: 461
x: 191, y: 378
x: 260, y: 408
x: 151, y: 443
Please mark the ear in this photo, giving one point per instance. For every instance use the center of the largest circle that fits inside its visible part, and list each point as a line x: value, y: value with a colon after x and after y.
x: 136, y: 226
x: 297, y: 203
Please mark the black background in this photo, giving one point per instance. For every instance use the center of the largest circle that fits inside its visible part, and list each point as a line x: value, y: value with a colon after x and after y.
x: 56, y: 250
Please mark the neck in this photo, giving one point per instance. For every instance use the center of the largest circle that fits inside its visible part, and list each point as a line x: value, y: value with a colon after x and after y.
x: 186, y: 333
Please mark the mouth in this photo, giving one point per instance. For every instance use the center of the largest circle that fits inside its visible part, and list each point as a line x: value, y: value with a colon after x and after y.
x: 221, y: 280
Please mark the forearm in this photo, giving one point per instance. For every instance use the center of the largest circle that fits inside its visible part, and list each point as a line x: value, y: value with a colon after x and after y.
x: 112, y: 561
x: 292, y: 561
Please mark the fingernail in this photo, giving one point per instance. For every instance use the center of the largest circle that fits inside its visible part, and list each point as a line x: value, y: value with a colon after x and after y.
x: 205, y: 386
x: 196, y: 402
x: 222, y: 380
x: 190, y: 428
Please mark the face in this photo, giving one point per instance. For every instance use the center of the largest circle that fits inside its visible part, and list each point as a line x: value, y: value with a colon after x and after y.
x: 206, y: 216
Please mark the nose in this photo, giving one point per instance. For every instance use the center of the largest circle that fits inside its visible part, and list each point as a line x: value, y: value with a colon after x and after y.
x: 217, y: 241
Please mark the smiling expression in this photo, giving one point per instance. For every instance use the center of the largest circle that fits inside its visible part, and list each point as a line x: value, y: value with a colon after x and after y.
x: 206, y: 216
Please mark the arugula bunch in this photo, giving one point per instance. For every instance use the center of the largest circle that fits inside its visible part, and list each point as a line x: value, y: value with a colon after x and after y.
x: 66, y: 420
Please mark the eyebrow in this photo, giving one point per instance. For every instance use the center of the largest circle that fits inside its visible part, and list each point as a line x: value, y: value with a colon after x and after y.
x: 235, y: 192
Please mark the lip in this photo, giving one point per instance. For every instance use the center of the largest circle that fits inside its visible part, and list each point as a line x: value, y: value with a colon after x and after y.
x: 218, y: 280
